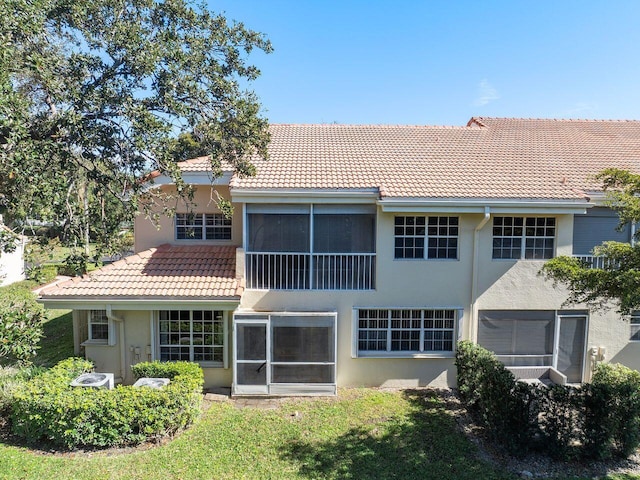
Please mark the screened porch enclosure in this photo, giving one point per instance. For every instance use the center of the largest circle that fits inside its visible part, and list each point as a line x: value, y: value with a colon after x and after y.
x: 536, y: 338
x: 311, y: 247
x: 284, y: 354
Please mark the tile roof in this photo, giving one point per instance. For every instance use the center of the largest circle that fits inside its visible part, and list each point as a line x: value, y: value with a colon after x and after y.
x: 489, y: 158
x: 169, y: 272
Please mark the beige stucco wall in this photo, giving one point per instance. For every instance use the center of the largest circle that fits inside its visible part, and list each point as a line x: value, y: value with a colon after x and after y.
x: 505, y: 284
x: 502, y: 284
x: 137, y: 342
x: 148, y: 234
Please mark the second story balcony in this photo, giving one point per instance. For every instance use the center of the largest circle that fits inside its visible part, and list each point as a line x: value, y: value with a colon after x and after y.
x: 311, y: 248
x: 305, y: 271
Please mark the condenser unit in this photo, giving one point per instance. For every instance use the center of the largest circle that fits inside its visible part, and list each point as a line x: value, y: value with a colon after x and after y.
x: 151, y: 382
x: 94, y: 380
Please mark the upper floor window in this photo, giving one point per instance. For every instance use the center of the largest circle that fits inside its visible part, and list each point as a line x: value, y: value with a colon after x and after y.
x: 435, y: 236
x: 98, y: 325
x: 523, y: 237
x: 191, y: 335
x: 408, y: 331
x: 202, y: 226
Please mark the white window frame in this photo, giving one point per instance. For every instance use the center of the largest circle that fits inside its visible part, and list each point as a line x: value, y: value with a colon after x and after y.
x: 634, y: 326
x: 523, y: 237
x: 191, y: 335
x: 98, y: 318
x: 202, y: 223
x: 387, y: 316
x: 423, y: 224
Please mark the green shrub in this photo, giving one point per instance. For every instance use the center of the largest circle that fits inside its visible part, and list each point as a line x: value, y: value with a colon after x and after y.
x: 42, y: 274
x: 612, y: 412
x: 508, y: 409
x: 21, y: 319
x: 561, y: 423
x: 10, y: 378
x: 48, y: 408
x: 596, y: 420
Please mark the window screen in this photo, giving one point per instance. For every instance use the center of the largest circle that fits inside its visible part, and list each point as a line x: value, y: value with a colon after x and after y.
x: 518, y: 337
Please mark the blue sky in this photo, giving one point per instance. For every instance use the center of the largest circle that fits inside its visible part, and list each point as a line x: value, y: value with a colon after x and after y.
x: 442, y: 62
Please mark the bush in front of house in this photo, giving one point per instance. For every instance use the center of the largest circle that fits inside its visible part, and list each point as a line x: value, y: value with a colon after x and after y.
x: 48, y: 409
x: 21, y: 319
x: 506, y: 408
x: 612, y: 412
x: 596, y: 420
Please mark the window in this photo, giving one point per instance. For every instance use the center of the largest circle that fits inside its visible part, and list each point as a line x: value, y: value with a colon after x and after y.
x: 635, y: 326
x: 98, y: 325
x: 191, y: 335
x: 410, y: 331
x: 518, y: 337
x: 520, y: 237
x: 438, y: 236
x: 202, y: 226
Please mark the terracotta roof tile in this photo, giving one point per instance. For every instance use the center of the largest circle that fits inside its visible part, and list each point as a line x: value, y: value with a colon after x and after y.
x: 176, y: 272
x: 490, y: 158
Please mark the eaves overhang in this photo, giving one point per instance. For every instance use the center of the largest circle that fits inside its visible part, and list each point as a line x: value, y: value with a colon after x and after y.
x: 479, y: 205
x: 305, y: 195
x: 147, y: 303
x: 192, y: 178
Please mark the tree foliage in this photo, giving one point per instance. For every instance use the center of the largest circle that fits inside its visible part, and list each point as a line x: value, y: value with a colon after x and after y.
x: 93, y: 95
x: 618, y: 281
x: 21, y: 319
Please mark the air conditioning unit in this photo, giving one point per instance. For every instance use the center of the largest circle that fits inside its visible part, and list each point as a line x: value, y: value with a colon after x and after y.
x: 94, y: 380
x: 152, y: 382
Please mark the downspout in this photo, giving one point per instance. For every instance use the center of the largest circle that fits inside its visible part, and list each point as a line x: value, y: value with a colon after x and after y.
x: 123, y: 352
x: 473, y: 314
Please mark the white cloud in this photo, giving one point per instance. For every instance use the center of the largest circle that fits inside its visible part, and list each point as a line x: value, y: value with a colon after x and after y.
x: 486, y: 94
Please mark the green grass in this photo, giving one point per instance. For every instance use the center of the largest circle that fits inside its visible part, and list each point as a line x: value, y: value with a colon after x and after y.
x: 57, y: 341
x: 364, y: 434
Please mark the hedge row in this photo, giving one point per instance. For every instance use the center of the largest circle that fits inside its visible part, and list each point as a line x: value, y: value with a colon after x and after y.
x: 596, y: 420
x: 48, y: 409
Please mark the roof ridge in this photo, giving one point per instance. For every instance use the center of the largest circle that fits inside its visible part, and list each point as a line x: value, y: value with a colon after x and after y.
x: 381, y: 125
x: 542, y: 119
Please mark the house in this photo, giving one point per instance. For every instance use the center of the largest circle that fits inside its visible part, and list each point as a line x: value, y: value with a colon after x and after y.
x: 12, y: 263
x: 359, y: 254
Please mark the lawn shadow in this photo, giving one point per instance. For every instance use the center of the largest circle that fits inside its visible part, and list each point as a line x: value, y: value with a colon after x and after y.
x: 424, y: 444
x: 57, y: 339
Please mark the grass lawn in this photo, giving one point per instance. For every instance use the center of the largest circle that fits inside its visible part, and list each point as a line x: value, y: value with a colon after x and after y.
x: 364, y: 434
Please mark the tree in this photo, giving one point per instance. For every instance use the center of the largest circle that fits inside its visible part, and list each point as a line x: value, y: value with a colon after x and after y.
x: 619, y: 279
x: 94, y: 95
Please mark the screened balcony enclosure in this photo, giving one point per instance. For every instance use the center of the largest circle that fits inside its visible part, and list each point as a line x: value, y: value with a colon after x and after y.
x: 311, y: 247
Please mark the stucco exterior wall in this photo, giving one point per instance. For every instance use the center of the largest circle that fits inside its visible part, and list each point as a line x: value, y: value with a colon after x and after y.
x: 12, y: 265
x: 137, y: 343
x: 501, y: 284
x: 148, y: 235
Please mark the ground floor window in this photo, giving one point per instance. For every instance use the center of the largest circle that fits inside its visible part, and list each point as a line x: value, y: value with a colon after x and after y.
x: 540, y: 338
x: 192, y: 335
x: 98, y: 323
x: 399, y: 332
